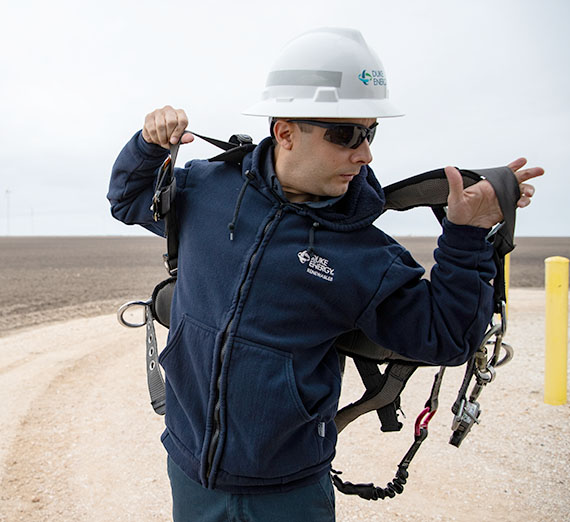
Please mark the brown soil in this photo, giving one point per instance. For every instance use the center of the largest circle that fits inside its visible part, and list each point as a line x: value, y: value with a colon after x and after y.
x: 48, y: 279
x: 55, y: 278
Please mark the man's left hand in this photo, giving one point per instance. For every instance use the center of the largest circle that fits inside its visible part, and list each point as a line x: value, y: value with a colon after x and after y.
x: 477, y: 205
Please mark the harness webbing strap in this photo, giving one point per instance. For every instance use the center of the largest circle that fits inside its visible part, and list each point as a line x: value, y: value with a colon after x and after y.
x: 429, y: 189
x: 164, y: 207
x: 154, y: 378
x: 224, y: 145
x: 234, y: 155
x: 369, y: 491
x: 164, y: 200
x: 382, y: 389
x: 433, y: 401
x: 432, y: 188
x: 171, y: 227
x: 390, y: 389
x: 506, y: 187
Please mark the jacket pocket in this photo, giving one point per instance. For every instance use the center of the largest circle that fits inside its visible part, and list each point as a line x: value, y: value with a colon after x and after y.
x: 187, y: 362
x: 269, y: 432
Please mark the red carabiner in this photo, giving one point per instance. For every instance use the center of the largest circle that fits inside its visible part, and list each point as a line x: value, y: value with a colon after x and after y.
x: 422, y: 423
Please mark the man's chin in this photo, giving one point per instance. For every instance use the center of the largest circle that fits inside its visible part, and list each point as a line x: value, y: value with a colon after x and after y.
x: 341, y: 190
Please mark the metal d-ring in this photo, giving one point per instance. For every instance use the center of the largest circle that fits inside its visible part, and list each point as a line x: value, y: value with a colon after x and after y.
x: 121, y: 312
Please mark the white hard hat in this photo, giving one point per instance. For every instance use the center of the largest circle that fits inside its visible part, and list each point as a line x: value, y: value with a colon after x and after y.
x: 326, y: 73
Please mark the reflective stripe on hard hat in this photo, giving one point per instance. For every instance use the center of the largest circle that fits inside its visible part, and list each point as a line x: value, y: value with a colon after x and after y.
x: 302, y: 77
x: 326, y: 73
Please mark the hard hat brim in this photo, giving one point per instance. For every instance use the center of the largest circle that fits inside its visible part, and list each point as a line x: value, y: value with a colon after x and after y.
x: 304, y: 108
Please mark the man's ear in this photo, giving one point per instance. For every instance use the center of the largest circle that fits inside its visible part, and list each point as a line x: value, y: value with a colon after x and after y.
x: 283, y: 132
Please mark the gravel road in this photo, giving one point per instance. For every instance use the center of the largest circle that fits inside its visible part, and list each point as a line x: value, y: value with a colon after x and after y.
x: 81, y: 443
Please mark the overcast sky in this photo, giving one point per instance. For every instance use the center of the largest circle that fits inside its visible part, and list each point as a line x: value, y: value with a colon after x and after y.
x: 481, y: 82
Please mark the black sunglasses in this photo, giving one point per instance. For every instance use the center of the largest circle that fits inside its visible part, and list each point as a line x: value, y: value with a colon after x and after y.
x: 350, y: 135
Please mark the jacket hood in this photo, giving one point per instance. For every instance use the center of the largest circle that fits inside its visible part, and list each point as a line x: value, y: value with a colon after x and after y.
x: 358, y: 208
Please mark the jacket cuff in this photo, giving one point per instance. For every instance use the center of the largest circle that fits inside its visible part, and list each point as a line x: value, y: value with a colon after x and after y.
x: 465, y: 237
x: 149, y: 150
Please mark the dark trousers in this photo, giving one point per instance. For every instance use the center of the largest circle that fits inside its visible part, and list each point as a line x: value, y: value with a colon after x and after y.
x: 193, y: 503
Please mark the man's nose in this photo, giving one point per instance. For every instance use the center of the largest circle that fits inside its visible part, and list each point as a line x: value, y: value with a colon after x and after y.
x: 362, y: 153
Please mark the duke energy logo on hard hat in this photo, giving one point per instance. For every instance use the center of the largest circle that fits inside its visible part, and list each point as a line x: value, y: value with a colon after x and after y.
x: 365, y: 77
x: 376, y: 77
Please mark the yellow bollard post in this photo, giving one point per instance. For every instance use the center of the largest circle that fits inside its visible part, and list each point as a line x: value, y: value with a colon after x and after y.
x: 556, y: 339
x: 507, y: 281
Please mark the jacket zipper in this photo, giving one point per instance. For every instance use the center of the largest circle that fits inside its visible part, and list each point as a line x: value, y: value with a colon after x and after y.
x: 213, y: 445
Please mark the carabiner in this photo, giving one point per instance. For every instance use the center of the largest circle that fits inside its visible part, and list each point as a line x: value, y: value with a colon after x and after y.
x: 509, y: 353
x: 423, y: 420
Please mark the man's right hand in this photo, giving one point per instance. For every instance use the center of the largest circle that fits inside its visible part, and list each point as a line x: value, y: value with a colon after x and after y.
x: 166, y: 126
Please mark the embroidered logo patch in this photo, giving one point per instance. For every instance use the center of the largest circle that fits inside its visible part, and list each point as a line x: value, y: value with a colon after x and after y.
x: 316, y: 265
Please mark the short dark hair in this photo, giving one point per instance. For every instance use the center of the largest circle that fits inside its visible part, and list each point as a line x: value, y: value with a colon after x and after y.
x: 305, y: 127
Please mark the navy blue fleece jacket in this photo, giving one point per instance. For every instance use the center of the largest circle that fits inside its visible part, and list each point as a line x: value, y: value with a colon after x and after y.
x: 252, y: 380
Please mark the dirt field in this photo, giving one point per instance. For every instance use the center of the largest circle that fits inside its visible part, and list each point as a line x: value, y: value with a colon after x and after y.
x: 81, y: 443
x: 53, y: 279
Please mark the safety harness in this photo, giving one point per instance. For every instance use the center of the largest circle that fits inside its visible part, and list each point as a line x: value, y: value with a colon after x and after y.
x: 383, y: 372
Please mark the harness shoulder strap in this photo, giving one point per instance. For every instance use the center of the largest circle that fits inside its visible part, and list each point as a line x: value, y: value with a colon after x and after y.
x: 164, y: 200
x: 431, y: 189
x: 236, y: 154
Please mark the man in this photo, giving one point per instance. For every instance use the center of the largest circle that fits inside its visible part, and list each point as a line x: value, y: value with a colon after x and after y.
x: 278, y: 257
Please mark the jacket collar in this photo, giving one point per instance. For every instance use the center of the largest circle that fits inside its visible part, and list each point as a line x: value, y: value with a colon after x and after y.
x: 358, y: 208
